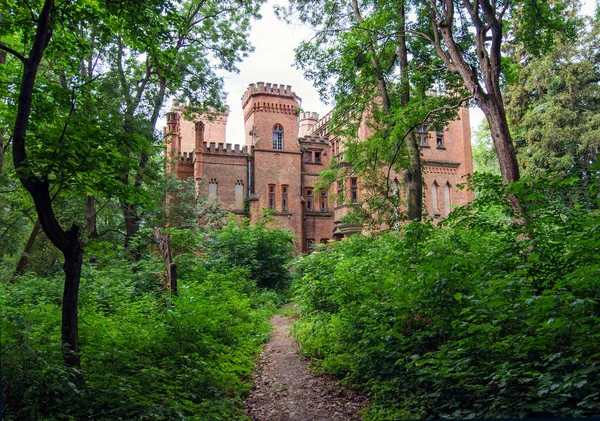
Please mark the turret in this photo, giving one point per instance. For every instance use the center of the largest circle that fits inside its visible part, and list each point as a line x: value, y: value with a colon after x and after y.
x: 307, y: 120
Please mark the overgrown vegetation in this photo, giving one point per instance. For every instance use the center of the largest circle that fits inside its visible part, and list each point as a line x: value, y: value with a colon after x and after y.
x: 481, y: 318
x: 144, y: 354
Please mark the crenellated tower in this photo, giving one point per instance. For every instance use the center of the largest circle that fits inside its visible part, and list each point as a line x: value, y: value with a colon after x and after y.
x: 271, y: 117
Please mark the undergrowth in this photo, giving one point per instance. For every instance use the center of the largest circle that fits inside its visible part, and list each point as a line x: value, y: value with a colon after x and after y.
x: 482, y: 318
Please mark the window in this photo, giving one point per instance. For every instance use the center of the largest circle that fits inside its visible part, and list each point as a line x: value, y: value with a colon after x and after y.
x: 308, y: 156
x: 353, y: 190
x: 422, y: 135
x: 309, y: 200
x: 434, y: 198
x: 278, y: 137
x: 340, y: 187
x: 317, y: 157
x: 212, y: 190
x: 284, y: 198
x: 271, y: 196
x: 447, y: 198
x: 439, y: 139
x: 323, y: 202
x: 310, y: 244
x: 239, y: 195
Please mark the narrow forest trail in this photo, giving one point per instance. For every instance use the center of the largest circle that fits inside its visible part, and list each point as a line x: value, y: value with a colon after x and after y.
x: 286, y: 390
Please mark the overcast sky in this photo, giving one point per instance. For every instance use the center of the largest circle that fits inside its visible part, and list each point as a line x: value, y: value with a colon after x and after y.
x: 272, y: 61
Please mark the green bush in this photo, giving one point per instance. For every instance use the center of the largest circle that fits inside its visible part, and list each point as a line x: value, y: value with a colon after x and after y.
x: 143, y: 356
x: 265, y: 251
x: 482, y: 318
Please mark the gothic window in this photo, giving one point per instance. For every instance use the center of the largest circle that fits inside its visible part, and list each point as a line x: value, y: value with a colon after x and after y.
x: 353, y: 190
x: 323, y: 202
x: 278, y: 137
x: 434, y: 198
x: 239, y: 195
x: 212, y: 190
x: 447, y: 202
x: 422, y: 135
x: 308, y: 156
x: 271, y: 196
x: 317, y: 157
x: 284, y: 198
x: 439, y: 139
x: 309, y: 199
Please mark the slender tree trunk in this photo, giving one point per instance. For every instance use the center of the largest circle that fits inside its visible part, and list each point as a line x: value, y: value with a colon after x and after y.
x: 90, y: 216
x: 413, y: 175
x: 70, y: 314
x: 22, y: 263
x: 66, y: 241
x: 2, y: 145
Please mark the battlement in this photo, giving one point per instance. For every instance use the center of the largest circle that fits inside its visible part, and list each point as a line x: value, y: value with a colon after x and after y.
x: 321, y: 127
x: 186, y: 157
x: 267, y: 88
x: 309, y: 115
x: 224, y: 148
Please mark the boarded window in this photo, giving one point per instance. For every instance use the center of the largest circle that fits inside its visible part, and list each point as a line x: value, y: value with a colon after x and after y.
x: 239, y: 196
x: 434, y: 198
x: 447, y: 202
x: 212, y: 190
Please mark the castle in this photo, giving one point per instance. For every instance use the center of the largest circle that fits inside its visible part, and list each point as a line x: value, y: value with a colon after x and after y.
x: 285, y: 150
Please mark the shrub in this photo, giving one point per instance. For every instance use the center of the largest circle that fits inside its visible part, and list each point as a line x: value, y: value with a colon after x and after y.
x: 142, y: 357
x: 479, y: 319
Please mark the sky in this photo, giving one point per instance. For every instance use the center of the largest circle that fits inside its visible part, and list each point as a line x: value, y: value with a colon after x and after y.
x: 272, y: 61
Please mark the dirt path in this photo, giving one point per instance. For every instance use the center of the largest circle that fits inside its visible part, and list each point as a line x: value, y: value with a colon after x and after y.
x: 286, y: 390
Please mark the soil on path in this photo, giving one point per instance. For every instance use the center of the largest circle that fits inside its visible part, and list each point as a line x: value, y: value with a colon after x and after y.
x: 286, y: 390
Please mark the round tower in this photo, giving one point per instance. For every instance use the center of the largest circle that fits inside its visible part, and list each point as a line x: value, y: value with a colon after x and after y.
x: 307, y: 120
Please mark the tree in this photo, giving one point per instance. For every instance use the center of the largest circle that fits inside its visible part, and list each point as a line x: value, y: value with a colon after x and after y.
x: 362, y: 59
x: 553, y: 109
x: 68, y: 139
x: 468, y: 36
x: 175, y: 55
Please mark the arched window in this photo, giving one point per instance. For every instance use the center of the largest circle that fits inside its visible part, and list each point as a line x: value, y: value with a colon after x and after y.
x: 434, y: 198
x: 447, y: 202
x: 278, y: 137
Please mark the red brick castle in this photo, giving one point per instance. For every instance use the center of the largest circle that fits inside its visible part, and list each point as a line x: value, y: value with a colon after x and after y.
x: 284, y: 152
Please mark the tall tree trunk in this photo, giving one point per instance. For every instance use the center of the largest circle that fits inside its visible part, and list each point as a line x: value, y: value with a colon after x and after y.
x: 66, y: 241
x: 493, y: 108
x: 488, y: 41
x: 413, y: 175
x: 2, y: 144
x: 22, y: 263
x: 90, y: 217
